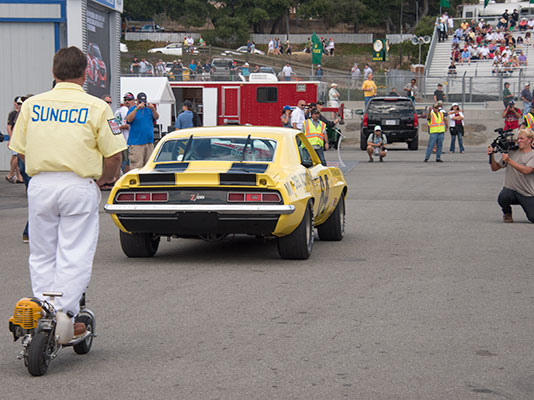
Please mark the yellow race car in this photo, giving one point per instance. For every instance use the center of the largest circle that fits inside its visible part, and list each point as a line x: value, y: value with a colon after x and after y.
x: 212, y: 182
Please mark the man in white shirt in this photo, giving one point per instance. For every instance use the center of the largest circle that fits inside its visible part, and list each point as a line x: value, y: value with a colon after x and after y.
x: 366, y: 71
x: 531, y: 23
x: 270, y: 50
x: 355, y: 75
x: 286, y: 72
x: 298, y: 116
x: 484, y: 52
x: 120, y: 115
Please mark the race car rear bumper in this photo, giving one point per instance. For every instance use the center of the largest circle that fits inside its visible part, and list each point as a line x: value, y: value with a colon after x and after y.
x: 191, y: 219
x: 201, y: 208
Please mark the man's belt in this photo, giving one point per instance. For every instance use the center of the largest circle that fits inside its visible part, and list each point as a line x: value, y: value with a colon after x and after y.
x: 316, y: 147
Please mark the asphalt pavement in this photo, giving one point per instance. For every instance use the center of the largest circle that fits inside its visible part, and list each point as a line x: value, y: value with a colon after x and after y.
x: 429, y: 296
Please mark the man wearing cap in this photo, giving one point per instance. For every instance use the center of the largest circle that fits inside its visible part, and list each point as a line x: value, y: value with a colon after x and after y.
x: 185, y: 118
x: 285, y: 118
x: 71, y: 145
x: 507, y: 94
x: 376, y: 144
x: 333, y: 96
x: 141, y: 138
x: 437, y: 125
x: 526, y: 97
x: 314, y: 129
x: 120, y: 115
x: 319, y: 73
x: 511, y: 115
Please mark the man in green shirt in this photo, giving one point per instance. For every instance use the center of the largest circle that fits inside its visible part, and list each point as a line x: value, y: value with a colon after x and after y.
x: 507, y: 95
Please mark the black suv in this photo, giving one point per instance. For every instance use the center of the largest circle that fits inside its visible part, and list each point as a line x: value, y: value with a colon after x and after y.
x: 396, y: 116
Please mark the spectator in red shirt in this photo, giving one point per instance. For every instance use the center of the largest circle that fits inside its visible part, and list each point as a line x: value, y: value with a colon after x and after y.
x: 511, y: 116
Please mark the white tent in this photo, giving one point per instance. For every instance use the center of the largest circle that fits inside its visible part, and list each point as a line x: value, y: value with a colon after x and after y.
x: 158, y: 91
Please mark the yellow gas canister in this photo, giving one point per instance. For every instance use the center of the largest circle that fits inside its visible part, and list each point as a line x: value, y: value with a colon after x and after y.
x: 27, y: 313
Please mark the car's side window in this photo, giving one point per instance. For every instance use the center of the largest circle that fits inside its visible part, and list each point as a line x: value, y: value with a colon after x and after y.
x: 305, y: 157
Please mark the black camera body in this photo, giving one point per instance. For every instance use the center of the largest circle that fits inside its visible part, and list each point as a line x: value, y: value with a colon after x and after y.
x: 504, y: 142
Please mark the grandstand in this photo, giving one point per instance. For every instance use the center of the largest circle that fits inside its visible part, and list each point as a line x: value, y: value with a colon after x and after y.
x: 479, y: 83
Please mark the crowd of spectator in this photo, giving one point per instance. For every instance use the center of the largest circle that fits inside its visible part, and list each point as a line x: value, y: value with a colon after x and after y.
x: 482, y: 41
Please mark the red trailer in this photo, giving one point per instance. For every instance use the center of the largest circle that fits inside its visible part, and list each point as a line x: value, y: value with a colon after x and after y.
x: 255, y: 103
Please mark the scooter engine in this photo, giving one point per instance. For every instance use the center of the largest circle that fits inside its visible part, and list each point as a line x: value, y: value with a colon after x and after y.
x: 26, y: 316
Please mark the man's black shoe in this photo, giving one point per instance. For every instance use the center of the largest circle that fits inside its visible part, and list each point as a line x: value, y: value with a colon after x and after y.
x: 439, y: 160
x: 426, y: 159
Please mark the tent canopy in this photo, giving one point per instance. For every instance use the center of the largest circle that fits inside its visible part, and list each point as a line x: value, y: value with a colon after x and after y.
x: 157, y: 90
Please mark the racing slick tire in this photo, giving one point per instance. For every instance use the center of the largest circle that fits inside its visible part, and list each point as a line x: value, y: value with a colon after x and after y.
x: 38, y: 355
x: 363, y: 142
x: 414, y: 144
x: 298, y: 245
x: 139, y: 244
x: 333, y: 229
x: 85, y: 345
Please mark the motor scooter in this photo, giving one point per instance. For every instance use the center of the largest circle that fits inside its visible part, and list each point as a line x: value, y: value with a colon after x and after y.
x: 44, y: 331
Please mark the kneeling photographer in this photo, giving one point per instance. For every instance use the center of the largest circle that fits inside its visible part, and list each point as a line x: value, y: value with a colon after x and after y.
x: 518, y: 161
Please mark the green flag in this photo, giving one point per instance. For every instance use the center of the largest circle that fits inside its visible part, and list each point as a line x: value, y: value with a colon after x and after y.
x: 486, y: 2
x: 444, y: 3
x: 317, y: 49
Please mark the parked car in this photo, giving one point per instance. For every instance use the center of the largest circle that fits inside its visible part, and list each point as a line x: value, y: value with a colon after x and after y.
x: 267, y: 70
x: 396, y: 116
x: 222, y: 69
x: 213, y: 182
x: 152, y: 28
x: 239, y: 51
x: 172, y: 49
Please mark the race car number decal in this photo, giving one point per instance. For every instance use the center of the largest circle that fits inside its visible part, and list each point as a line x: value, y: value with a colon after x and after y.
x: 325, y: 189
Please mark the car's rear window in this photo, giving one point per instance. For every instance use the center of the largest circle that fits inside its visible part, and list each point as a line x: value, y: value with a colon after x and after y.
x: 390, y: 105
x: 222, y: 63
x: 217, y: 149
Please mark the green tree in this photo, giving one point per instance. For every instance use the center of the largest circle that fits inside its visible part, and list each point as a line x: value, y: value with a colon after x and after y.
x: 141, y: 9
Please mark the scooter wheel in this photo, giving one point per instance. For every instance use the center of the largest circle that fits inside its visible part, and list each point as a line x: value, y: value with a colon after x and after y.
x: 38, y: 355
x: 84, y: 346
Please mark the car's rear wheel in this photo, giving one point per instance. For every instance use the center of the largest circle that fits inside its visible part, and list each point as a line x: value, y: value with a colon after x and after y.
x: 334, y: 227
x: 139, y: 244
x: 414, y: 144
x: 363, y: 141
x: 298, y: 245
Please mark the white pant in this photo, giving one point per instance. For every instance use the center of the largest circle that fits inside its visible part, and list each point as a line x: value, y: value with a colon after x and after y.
x: 63, y: 223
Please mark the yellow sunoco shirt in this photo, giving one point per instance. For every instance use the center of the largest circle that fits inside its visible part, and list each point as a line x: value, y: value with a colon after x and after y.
x: 66, y: 130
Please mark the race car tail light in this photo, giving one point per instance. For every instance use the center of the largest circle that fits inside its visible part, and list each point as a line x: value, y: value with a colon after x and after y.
x: 271, y: 197
x: 236, y: 197
x: 253, y: 197
x: 365, y: 120
x: 243, y: 197
x: 160, y: 197
x: 125, y: 197
x: 142, y: 197
x: 415, y: 120
x: 156, y: 197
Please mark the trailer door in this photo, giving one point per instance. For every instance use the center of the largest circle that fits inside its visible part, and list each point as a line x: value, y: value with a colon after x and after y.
x: 209, y: 106
x: 230, y: 104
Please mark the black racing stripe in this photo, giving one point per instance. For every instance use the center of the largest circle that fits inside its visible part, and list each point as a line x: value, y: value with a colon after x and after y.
x: 175, y: 167
x: 248, y: 168
x: 238, y: 179
x: 157, y: 179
